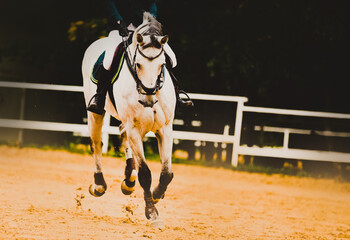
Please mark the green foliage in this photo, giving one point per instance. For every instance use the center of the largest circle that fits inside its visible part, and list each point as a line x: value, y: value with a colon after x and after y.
x: 114, y: 152
x: 87, y: 31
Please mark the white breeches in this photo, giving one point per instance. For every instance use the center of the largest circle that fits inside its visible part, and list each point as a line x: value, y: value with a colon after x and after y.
x: 114, y: 39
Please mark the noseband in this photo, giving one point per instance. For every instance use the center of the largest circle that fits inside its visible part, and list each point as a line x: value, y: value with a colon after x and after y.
x: 145, y: 56
x: 153, y: 90
x: 139, y: 85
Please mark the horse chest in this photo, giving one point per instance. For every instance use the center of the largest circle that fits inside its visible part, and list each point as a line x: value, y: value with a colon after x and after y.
x: 149, y: 119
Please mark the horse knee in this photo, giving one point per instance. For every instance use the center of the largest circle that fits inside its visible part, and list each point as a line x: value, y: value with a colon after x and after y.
x: 94, y: 144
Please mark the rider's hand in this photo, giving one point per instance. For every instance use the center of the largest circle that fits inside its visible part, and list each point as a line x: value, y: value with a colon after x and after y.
x: 122, y: 28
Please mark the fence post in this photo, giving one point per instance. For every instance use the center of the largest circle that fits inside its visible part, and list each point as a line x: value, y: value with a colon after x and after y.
x: 237, y: 134
x: 105, y: 134
x: 21, y: 116
x: 286, y: 139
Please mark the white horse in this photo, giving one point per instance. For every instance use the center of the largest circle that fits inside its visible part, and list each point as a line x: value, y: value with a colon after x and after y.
x: 145, y: 101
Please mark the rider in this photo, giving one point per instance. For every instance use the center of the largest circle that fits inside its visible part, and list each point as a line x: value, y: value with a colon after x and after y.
x: 129, y: 17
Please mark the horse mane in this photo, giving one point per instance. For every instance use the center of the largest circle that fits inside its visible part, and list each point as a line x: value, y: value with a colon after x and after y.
x: 153, y: 27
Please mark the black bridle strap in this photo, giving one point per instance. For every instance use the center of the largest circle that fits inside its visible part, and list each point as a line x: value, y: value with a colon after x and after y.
x: 147, y: 57
x: 139, y: 85
x: 159, y: 84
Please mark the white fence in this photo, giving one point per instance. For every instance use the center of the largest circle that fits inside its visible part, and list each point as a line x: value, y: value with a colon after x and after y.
x: 302, y: 154
x: 235, y: 139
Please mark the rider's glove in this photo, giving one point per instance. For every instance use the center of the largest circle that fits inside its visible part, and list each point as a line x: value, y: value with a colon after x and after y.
x: 122, y: 28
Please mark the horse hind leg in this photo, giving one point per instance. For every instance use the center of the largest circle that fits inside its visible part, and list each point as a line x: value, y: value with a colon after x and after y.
x: 95, y: 123
x: 130, y: 173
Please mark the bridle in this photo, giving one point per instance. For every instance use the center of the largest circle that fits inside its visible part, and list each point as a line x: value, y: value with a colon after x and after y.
x: 141, y: 88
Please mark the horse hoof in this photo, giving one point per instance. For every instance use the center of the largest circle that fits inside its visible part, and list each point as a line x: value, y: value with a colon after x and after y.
x: 96, y: 192
x: 157, y: 223
x: 127, y: 190
x: 128, y: 186
x: 151, y: 212
x: 155, y: 199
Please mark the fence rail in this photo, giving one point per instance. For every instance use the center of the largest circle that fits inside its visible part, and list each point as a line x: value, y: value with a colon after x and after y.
x: 296, y: 112
x: 235, y: 139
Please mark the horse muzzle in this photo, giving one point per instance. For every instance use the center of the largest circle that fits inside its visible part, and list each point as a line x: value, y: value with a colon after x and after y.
x: 148, y: 100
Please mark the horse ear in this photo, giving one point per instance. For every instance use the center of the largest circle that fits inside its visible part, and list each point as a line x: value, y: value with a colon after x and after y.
x: 164, y: 40
x: 139, y: 38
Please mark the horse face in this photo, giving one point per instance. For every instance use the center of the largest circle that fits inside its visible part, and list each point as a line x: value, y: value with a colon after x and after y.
x: 149, y: 64
x: 147, y: 70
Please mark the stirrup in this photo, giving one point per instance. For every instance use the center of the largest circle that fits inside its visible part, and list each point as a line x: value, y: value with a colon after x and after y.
x: 185, y: 102
x: 95, y: 107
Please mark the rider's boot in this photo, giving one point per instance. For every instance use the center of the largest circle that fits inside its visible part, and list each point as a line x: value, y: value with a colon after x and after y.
x: 187, y: 102
x: 97, y: 102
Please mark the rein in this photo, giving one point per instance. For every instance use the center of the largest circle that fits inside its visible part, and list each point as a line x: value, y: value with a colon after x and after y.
x: 132, y: 67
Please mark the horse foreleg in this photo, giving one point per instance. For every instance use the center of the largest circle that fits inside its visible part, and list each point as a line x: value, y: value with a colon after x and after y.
x: 128, y: 184
x: 95, y: 123
x: 144, y: 174
x: 165, y: 145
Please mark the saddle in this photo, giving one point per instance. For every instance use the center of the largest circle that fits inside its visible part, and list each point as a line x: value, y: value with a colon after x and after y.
x: 98, y: 72
x: 116, y: 66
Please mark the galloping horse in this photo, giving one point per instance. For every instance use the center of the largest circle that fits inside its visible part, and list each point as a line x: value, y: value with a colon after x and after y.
x: 145, y: 100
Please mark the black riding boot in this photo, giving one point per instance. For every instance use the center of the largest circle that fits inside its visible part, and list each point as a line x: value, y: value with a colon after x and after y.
x: 97, y: 102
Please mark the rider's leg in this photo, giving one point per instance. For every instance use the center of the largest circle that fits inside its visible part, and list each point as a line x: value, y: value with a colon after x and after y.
x: 97, y: 103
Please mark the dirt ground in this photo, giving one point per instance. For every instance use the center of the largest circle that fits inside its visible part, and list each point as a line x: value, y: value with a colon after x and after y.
x: 44, y: 195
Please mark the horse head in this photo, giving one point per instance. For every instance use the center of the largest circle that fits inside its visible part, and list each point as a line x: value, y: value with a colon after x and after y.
x: 149, y: 59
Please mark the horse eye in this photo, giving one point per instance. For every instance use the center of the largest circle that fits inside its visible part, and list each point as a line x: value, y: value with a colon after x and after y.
x: 138, y: 65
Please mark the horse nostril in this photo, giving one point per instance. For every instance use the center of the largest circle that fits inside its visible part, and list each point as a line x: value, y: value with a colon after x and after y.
x: 147, y: 103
